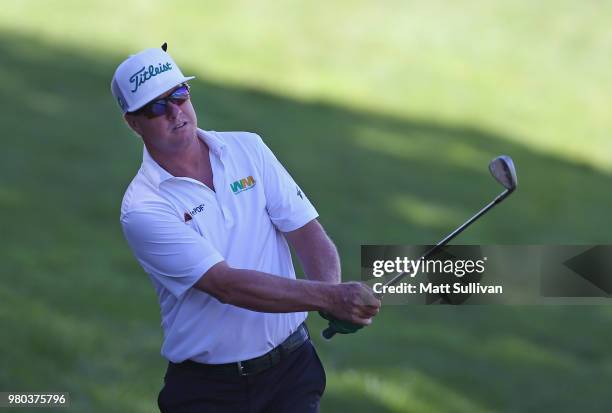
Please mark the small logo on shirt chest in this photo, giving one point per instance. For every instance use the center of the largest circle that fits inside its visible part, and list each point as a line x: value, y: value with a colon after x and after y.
x: 242, y: 185
x: 188, y: 216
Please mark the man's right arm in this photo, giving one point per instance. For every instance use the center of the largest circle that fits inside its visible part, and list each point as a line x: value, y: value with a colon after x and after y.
x: 180, y: 259
x: 269, y: 293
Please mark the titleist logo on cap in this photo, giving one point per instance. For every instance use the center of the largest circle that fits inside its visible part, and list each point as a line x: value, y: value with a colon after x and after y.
x: 141, y: 76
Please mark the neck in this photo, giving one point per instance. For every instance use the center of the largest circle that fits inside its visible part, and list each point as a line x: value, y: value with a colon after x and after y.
x: 185, y: 160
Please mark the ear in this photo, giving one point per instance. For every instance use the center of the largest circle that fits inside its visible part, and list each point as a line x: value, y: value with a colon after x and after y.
x: 133, y: 122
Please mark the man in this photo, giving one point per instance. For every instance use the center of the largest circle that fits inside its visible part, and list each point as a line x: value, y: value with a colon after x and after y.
x: 208, y: 217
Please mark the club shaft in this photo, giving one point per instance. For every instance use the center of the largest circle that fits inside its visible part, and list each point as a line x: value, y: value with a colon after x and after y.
x: 449, y: 237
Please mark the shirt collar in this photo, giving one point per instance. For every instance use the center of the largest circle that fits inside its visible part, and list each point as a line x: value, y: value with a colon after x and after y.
x: 211, y: 139
x: 156, y: 174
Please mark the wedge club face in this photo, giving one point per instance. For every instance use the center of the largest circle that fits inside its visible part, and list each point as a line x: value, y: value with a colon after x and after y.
x: 502, y: 169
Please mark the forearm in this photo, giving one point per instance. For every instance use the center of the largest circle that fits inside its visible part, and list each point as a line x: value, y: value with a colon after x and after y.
x: 321, y: 263
x: 268, y: 293
x: 317, y: 253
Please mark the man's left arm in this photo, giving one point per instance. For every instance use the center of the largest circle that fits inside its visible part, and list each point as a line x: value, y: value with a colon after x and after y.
x: 316, y: 252
x: 292, y: 213
x: 320, y: 261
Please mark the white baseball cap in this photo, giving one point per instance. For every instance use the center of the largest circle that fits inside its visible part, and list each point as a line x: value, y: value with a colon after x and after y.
x: 144, y: 76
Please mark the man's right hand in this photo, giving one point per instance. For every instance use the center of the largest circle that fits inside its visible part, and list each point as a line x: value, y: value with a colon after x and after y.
x: 354, y: 302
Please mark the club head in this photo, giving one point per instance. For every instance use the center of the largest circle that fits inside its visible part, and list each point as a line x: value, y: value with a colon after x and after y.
x: 502, y: 169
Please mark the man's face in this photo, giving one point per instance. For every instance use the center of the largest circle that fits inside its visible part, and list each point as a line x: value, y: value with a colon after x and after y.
x: 173, y: 127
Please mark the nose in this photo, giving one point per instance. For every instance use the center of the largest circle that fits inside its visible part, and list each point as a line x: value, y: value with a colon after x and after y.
x: 172, y: 110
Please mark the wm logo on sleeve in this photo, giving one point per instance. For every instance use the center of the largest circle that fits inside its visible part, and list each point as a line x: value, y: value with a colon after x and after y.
x: 242, y: 185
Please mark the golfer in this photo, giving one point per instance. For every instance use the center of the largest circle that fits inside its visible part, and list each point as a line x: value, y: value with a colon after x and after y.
x: 210, y: 217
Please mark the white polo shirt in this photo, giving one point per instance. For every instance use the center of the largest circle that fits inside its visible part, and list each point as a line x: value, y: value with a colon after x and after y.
x: 178, y: 228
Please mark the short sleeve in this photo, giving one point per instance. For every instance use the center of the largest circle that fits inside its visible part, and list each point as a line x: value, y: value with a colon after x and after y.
x: 286, y: 203
x: 167, y: 248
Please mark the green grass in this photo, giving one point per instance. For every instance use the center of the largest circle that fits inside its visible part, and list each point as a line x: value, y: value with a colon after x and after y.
x: 386, y: 113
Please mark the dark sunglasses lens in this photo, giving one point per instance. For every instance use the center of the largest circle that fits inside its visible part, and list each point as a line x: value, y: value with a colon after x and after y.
x: 158, y: 108
x: 182, y: 93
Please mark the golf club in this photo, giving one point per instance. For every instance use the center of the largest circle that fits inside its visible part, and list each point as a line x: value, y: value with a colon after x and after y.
x: 503, y: 170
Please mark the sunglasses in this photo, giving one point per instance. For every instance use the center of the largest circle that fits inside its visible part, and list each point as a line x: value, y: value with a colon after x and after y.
x: 159, y: 107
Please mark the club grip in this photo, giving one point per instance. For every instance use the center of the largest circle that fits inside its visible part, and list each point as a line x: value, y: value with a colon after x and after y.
x: 328, y: 333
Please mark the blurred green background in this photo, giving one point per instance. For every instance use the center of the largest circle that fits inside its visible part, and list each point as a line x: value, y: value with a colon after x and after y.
x: 386, y: 113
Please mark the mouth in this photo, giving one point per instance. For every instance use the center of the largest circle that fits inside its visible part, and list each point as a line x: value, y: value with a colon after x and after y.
x: 179, y: 126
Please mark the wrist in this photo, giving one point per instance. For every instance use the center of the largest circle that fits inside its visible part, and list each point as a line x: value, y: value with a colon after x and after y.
x: 328, y: 293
